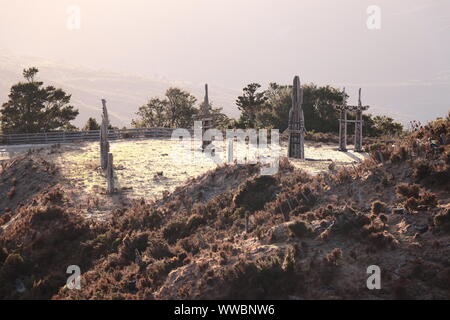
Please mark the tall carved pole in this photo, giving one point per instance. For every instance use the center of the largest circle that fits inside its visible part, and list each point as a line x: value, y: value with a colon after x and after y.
x: 206, y: 117
x: 343, y: 125
x: 297, y: 123
x: 358, y: 125
x: 104, y: 144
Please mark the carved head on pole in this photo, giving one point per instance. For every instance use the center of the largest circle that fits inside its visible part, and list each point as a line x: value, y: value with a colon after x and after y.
x: 297, y: 92
x: 359, y: 99
x: 105, y: 111
x: 344, y: 101
x: 206, y: 106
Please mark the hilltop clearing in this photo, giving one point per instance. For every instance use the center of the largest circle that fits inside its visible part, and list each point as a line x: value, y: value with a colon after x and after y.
x: 308, y: 236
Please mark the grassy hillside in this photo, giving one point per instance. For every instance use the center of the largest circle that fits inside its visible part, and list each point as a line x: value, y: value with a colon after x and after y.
x: 308, y: 237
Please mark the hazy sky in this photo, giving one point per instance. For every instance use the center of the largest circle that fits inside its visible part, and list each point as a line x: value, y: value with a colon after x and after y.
x: 234, y: 42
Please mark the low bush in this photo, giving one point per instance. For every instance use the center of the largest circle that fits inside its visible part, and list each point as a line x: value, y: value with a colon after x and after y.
x: 300, y: 229
x: 254, y: 193
x: 442, y: 219
x: 422, y: 169
x: 408, y: 190
x: 378, y: 207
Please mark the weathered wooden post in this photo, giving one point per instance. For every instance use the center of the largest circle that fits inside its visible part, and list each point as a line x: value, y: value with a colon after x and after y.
x: 358, y: 125
x: 297, y: 123
x: 104, y: 144
x: 230, y: 150
x: 110, y: 174
x: 343, y: 125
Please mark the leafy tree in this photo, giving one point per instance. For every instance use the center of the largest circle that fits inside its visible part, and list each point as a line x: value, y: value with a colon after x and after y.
x: 220, y: 119
x: 385, y: 125
x: 250, y: 103
x: 275, y: 111
x: 69, y: 127
x: 181, y: 106
x: 153, y: 114
x: 318, y: 108
x: 91, y: 124
x: 33, y: 108
x: 317, y: 105
x: 175, y: 110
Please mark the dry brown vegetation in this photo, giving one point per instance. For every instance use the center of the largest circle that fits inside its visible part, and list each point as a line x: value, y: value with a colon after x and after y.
x: 308, y: 237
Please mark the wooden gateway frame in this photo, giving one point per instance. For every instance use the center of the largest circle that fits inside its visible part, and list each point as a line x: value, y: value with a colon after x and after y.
x: 343, y: 121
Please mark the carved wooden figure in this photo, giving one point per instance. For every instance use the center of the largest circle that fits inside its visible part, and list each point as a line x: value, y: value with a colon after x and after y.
x: 297, y: 123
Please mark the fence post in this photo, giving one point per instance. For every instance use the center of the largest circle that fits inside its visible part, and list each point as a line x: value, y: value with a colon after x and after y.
x: 110, y: 174
x: 104, y: 144
x: 230, y: 150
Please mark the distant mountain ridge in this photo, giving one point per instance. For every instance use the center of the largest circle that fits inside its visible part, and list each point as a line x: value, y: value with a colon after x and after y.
x: 124, y: 93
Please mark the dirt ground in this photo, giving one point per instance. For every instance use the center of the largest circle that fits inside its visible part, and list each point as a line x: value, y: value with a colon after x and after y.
x: 8, y: 152
x: 147, y: 168
x: 150, y: 169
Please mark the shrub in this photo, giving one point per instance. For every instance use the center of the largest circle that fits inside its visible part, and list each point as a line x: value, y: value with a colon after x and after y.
x: 411, y: 204
x: 263, y: 279
x: 137, y: 242
x: 158, y: 249
x: 349, y: 222
x: 446, y: 157
x: 329, y: 266
x: 13, y: 266
x: 5, y: 218
x: 384, y: 219
x: 11, y: 193
x: 106, y: 242
x: 299, y: 229
x: 194, y: 222
x: 152, y: 220
x: 45, y: 214
x: 190, y: 245
x: 175, y: 230
x: 289, y: 260
x: 399, y: 155
x: 14, y: 260
x: 381, y: 239
x: 422, y: 169
x: 254, y: 193
x: 442, y: 177
x: 378, y: 207
x: 161, y: 268
x: 3, y: 255
x: 333, y: 257
x: 428, y: 199
x: 442, y: 219
x: 54, y: 196
x: 408, y: 190
x: 343, y: 176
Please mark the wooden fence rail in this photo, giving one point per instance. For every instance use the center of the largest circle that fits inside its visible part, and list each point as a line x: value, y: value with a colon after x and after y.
x: 78, y: 136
